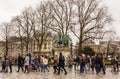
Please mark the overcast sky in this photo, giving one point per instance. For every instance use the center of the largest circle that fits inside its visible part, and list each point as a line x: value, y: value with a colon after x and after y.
x: 114, y: 8
x: 10, y: 8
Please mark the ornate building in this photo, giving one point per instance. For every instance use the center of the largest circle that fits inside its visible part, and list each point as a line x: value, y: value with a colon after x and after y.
x: 105, y: 47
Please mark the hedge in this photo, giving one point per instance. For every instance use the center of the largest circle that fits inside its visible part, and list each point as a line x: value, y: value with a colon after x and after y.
x: 109, y: 63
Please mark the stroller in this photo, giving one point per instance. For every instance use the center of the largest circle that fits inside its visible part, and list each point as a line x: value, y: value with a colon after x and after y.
x: 36, y: 65
x: 34, y: 68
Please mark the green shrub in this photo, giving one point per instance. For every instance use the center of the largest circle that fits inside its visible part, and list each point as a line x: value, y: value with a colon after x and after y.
x: 108, y: 63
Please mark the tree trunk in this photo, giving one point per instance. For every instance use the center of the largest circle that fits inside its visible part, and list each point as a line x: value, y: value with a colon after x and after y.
x: 80, y: 47
x: 6, y: 46
x: 21, y: 45
x: 40, y: 49
x: 80, y: 39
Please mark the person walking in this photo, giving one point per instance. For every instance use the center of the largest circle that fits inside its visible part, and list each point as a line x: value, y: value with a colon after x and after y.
x: 45, y: 64
x: 3, y: 64
x: 10, y: 58
x: 102, y: 65
x: 82, y: 64
x: 55, y: 64
x: 6, y: 64
x: 97, y: 63
x: 61, y: 64
x: 26, y: 64
x: 20, y: 61
x: 37, y: 63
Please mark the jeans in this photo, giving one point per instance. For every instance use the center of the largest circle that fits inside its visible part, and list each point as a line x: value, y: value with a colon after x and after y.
x: 82, y: 68
x: 97, y: 68
x: 45, y: 67
x: 59, y: 68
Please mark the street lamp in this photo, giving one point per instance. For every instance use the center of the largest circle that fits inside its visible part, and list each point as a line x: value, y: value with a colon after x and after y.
x: 97, y: 42
x: 71, y: 45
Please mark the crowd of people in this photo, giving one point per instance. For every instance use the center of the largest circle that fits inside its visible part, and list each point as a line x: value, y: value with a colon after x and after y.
x: 29, y: 63
x: 87, y: 63
x: 81, y: 63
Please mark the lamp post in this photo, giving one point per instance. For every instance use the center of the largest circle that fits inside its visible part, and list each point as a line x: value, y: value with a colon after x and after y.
x: 71, y: 45
x: 97, y: 42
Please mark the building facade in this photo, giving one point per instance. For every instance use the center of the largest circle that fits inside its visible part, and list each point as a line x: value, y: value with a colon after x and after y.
x: 105, y: 47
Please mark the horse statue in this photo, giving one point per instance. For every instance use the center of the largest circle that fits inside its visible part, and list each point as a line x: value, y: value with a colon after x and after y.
x: 62, y: 40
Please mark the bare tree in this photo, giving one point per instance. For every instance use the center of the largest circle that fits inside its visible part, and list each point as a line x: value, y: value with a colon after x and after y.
x: 25, y: 23
x: 62, y: 16
x: 6, y: 32
x: 92, y: 17
x: 110, y: 38
x: 16, y: 22
x: 41, y: 30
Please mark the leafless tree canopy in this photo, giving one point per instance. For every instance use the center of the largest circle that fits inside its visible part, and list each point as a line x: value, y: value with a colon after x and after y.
x: 6, y: 32
x: 91, y: 18
x: 86, y: 19
x: 62, y: 16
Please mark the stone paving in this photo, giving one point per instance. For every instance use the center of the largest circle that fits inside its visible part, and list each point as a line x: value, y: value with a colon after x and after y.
x: 49, y: 75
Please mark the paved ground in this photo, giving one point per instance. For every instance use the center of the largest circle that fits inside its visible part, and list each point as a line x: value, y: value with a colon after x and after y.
x: 50, y: 75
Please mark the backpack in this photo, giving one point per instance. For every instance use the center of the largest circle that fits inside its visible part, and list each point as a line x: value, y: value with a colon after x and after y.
x: 63, y: 58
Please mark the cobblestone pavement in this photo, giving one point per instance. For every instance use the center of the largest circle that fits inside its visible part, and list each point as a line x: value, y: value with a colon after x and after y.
x: 49, y: 75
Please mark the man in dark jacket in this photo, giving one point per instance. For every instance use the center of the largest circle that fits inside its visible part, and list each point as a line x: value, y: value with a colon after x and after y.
x: 10, y: 59
x: 20, y: 62
x: 61, y: 64
x: 97, y: 63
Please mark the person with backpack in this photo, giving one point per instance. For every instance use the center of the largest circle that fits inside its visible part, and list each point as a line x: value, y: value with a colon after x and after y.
x: 20, y: 61
x: 61, y: 64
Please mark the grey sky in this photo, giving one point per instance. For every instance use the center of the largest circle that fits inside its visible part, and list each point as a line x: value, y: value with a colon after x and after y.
x: 114, y: 9
x: 10, y: 8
